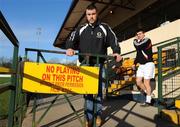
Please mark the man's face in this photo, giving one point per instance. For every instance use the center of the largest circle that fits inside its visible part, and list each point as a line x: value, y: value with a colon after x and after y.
x: 91, y: 15
x: 140, y: 35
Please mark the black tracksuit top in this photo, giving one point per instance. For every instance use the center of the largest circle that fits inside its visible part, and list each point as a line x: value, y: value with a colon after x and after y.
x: 144, y: 51
x: 93, y: 39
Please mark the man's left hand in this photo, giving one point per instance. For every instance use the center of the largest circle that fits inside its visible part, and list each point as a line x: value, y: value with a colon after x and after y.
x: 118, y: 57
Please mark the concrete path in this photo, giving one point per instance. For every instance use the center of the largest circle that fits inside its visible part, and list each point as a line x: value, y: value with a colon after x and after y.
x: 118, y: 112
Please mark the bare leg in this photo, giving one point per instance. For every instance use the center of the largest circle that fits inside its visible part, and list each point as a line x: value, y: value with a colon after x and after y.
x: 148, y: 90
x: 147, y: 86
x: 140, y: 83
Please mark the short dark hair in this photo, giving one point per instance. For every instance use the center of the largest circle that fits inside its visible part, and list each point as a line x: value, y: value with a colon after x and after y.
x: 91, y: 7
x: 140, y: 30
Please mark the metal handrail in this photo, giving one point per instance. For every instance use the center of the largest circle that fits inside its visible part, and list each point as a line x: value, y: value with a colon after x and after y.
x: 39, y: 54
x: 7, y: 30
x: 6, y: 87
x: 162, y: 77
x: 160, y: 43
x: 62, y: 52
x: 13, y: 86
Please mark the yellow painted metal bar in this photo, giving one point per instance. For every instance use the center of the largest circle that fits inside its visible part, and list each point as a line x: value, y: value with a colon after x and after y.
x: 177, y: 104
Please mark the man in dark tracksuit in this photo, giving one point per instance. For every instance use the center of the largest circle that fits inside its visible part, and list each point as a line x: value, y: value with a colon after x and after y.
x: 93, y: 37
x: 146, y: 69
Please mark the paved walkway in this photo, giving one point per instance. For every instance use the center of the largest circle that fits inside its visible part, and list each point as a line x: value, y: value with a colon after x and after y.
x: 118, y: 112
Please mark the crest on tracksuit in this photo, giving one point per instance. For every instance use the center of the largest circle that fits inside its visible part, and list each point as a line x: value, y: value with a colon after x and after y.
x: 99, y: 35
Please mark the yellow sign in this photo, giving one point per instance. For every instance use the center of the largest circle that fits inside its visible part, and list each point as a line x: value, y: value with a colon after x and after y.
x: 60, y: 79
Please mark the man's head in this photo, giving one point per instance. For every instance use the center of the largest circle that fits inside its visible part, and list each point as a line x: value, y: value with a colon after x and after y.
x: 91, y: 13
x: 140, y: 34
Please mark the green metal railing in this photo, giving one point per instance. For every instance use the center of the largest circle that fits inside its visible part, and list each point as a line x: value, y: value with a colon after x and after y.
x: 132, y: 55
x: 169, y: 72
x: 85, y: 62
x: 40, y: 56
x: 171, y: 47
x: 14, y: 88
x: 168, y: 76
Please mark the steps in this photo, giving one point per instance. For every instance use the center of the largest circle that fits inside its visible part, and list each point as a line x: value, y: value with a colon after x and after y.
x: 171, y: 115
x: 114, y: 88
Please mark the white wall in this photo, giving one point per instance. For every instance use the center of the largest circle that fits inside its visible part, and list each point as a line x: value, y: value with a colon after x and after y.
x: 157, y: 35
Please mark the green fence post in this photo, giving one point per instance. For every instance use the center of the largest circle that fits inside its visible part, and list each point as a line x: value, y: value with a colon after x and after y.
x: 95, y: 99
x: 178, y: 50
x: 159, y: 77
x: 26, y: 54
x: 21, y: 100
x: 38, y: 56
x: 34, y: 112
x: 13, y: 91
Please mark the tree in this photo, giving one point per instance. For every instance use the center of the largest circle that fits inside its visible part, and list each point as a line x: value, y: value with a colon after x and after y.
x: 6, y: 62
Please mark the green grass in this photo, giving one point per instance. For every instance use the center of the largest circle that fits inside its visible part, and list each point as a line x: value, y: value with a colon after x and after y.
x: 4, y: 80
x: 4, y: 103
x: 4, y: 97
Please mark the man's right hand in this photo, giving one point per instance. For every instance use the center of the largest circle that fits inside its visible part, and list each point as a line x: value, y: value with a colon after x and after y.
x: 70, y: 52
x: 133, y: 67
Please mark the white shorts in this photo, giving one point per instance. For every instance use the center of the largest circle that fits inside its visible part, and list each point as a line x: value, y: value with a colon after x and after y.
x: 147, y: 71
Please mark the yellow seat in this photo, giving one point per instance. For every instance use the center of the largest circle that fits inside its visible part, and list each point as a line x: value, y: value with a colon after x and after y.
x: 177, y: 104
x: 128, y: 63
x: 171, y: 115
x: 4, y: 69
